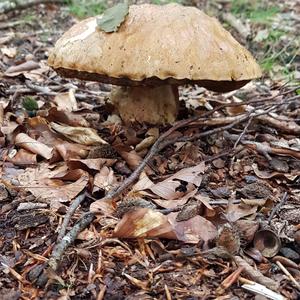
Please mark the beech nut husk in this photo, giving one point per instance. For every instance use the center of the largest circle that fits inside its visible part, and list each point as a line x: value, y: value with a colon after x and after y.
x: 267, y: 242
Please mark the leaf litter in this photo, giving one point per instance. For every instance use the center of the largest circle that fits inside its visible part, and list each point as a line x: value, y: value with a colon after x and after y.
x: 186, y: 226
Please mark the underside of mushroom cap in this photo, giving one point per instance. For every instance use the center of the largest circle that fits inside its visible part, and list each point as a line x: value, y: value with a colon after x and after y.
x: 168, y: 44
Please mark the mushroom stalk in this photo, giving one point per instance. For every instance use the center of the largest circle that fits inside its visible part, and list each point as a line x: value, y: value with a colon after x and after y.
x: 154, y: 105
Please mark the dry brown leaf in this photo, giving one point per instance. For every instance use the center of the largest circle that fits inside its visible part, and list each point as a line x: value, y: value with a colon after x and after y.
x: 38, y: 182
x: 37, y: 75
x: 193, y: 230
x: 268, y: 175
x: 22, y: 68
x: 144, y: 183
x: 80, y: 135
x: 24, y: 141
x: 238, y: 211
x: 91, y: 163
x: 87, y: 235
x: 143, y: 222
x: 174, y: 203
x: 104, y: 180
x: 66, y: 101
x: 167, y: 189
x: 205, y: 200
x: 70, y: 151
x: 66, y: 117
x: 69, y: 175
x: 105, y: 207
x: 151, y: 136
x: 133, y: 160
x: 23, y: 157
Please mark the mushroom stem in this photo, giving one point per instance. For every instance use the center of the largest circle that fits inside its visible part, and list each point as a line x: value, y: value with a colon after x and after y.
x: 154, y: 105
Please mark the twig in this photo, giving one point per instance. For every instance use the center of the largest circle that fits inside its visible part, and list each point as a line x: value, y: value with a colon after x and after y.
x: 230, y: 280
x: 277, y: 207
x: 243, y: 133
x: 68, y: 239
x: 72, y: 208
x: 46, y: 91
x: 288, y: 274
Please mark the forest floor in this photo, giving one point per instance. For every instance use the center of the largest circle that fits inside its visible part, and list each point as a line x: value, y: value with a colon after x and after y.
x: 216, y: 206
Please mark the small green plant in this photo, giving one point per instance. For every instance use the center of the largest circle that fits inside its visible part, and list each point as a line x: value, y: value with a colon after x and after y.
x: 86, y: 8
x: 30, y: 105
x: 256, y: 11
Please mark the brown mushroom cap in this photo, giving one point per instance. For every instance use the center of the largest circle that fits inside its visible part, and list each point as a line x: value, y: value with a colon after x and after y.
x: 169, y: 44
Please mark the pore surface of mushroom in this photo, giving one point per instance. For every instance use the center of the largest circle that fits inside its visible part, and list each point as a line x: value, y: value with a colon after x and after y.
x: 155, y: 49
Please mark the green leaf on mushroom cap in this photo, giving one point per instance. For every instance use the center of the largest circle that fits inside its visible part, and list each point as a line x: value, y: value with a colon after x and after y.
x: 113, y: 17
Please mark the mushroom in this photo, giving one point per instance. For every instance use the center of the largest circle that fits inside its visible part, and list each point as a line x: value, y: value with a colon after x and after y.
x: 154, y: 50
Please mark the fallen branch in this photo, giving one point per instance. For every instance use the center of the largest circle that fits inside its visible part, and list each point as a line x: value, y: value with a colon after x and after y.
x: 72, y: 208
x: 68, y: 239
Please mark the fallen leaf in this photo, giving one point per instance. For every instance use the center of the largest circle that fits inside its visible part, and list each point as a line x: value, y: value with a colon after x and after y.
x: 24, y: 141
x: 267, y: 175
x: 175, y: 203
x: 66, y: 101
x: 133, y: 160
x: 66, y: 117
x: 167, y: 189
x: 104, y: 180
x: 70, y: 151
x: 22, y: 68
x: 91, y: 163
x: 80, y: 135
x: 54, y: 191
x: 143, y: 222
x: 23, y: 157
x: 193, y: 230
x: 238, y: 211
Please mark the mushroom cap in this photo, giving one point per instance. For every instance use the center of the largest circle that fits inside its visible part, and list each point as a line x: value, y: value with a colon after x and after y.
x: 156, y: 44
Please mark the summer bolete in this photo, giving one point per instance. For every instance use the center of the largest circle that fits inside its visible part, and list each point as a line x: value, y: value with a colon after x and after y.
x: 154, y: 50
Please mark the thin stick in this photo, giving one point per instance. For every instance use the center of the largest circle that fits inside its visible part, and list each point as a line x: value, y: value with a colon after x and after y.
x: 277, y: 207
x: 243, y: 133
x: 230, y: 280
x: 68, y: 239
x: 72, y: 208
x: 288, y: 274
